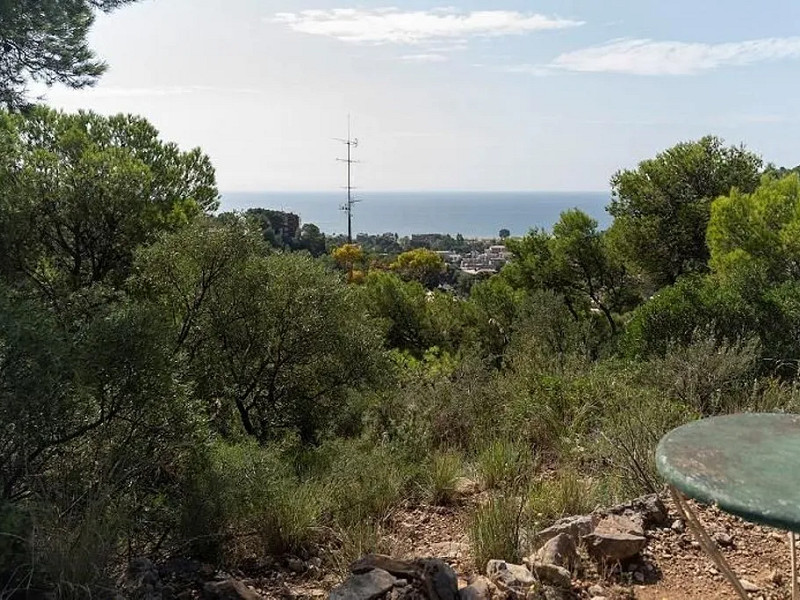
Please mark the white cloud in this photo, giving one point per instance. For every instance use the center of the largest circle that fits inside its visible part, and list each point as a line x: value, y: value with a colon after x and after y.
x: 429, y: 58
x: 439, y: 25
x: 648, y: 57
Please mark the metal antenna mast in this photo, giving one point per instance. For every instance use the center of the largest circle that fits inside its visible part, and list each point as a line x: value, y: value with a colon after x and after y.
x: 351, y: 143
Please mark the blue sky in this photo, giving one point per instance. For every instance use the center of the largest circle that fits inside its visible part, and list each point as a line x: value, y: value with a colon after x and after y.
x: 477, y: 95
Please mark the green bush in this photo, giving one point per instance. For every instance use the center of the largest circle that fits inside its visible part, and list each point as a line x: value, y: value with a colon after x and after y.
x: 243, y: 491
x: 364, y: 483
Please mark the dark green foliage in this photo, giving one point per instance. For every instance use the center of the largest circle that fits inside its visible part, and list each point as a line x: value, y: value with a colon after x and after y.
x: 46, y: 41
x: 80, y: 192
x: 278, y: 339
x: 695, y: 306
x: 575, y: 262
x: 661, y: 209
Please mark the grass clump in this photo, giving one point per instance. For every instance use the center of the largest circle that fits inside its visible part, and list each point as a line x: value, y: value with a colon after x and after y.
x: 504, y: 463
x: 494, y: 531
x: 442, y: 477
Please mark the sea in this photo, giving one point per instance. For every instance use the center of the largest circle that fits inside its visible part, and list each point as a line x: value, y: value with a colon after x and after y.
x: 472, y: 214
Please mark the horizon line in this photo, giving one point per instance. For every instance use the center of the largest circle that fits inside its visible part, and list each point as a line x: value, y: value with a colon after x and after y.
x: 417, y: 191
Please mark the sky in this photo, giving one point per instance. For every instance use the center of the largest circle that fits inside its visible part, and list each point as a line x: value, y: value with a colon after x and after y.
x: 472, y: 95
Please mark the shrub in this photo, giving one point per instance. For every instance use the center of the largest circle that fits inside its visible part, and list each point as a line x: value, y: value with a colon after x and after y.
x: 244, y: 491
x: 494, y: 531
x: 364, y: 483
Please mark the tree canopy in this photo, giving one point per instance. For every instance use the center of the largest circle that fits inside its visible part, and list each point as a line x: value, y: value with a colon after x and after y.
x: 662, y: 207
x: 81, y: 191
x: 46, y: 41
x: 574, y: 261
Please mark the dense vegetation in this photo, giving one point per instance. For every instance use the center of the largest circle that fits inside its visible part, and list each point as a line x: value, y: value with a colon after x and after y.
x: 179, y: 383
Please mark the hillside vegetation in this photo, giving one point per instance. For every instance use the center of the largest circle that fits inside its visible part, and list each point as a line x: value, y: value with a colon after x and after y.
x: 171, y: 384
x: 225, y: 387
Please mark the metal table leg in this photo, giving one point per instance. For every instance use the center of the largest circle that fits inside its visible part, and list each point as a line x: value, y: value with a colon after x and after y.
x: 793, y: 554
x: 710, y: 547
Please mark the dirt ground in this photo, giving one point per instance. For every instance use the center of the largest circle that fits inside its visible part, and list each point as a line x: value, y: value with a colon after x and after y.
x: 672, y: 566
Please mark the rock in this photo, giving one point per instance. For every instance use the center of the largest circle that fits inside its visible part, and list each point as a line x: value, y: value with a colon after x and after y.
x: 509, y: 574
x: 142, y: 581
x: 560, y: 550
x: 550, y: 593
x: 638, y: 577
x: 553, y: 575
x: 229, y: 589
x: 398, y: 568
x: 678, y: 526
x: 439, y: 579
x: 597, y: 590
x: 364, y: 586
x: 776, y: 577
x: 574, y: 527
x: 296, y: 565
x: 650, y: 510
x: 465, y: 487
x: 749, y: 586
x: 723, y: 540
x: 615, y: 538
x: 479, y: 589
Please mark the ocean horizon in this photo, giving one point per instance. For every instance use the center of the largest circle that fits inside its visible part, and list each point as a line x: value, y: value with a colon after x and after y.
x: 472, y: 214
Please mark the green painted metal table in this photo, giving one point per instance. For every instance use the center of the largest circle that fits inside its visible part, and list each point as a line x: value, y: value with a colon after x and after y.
x: 747, y: 464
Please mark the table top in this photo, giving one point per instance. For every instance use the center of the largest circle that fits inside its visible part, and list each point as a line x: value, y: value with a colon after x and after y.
x: 747, y: 464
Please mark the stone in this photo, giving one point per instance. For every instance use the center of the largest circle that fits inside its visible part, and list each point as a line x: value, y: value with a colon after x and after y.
x: 723, y: 539
x: 560, y: 550
x: 650, y: 510
x: 574, y: 527
x: 749, y: 586
x: 364, y: 586
x: 398, y: 568
x: 439, y: 579
x: 678, y: 526
x: 615, y: 538
x: 509, y: 574
x: 296, y: 565
x: 638, y: 577
x: 465, y: 487
x: 553, y: 575
x: 597, y: 590
x: 479, y: 589
x: 142, y: 580
x: 229, y: 589
x: 551, y: 593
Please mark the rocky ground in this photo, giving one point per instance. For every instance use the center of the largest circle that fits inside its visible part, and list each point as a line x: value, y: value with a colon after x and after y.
x: 625, y: 553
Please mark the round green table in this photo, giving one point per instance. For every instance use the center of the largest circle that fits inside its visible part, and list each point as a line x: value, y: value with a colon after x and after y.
x: 747, y: 464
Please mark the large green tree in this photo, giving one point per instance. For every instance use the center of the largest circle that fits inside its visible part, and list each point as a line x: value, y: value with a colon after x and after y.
x: 574, y: 261
x: 662, y: 207
x: 46, y: 41
x: 79, y: 192
x: 276, y: 341
x: 758, y: 235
